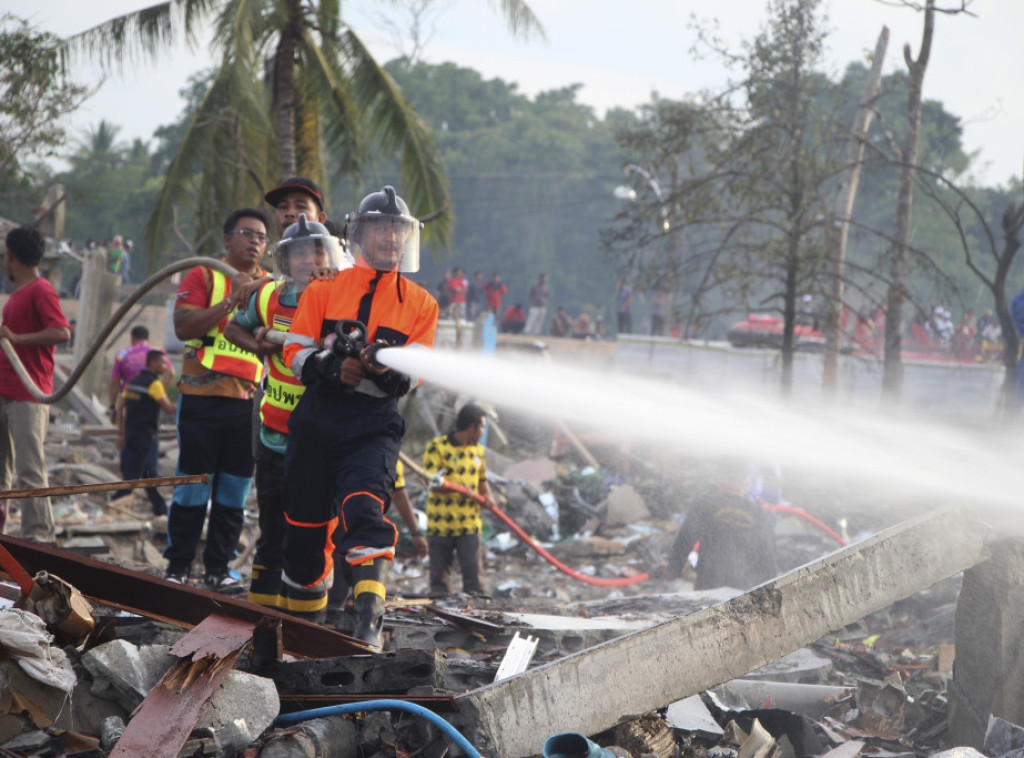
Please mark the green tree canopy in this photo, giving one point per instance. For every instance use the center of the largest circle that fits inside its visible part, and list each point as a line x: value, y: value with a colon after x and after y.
x: 36, y: 93
x: 531, y: 178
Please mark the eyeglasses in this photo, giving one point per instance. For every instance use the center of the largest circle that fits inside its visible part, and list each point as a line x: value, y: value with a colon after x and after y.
x: 260, y: 239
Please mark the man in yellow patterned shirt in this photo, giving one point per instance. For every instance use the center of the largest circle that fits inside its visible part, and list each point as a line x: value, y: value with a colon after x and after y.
x: 453, y: 519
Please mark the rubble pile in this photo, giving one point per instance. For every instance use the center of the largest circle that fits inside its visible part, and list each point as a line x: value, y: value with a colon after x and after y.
x: 876, y: 687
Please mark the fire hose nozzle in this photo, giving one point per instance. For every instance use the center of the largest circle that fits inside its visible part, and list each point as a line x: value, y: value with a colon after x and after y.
x: 371, y: 354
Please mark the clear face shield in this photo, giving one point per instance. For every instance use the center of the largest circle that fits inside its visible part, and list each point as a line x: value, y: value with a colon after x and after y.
x: 386, y: 242
x: 295, y: 259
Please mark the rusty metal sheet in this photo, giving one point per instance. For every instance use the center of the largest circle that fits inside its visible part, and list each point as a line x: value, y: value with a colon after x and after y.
x: 156, y: 598
x: 164, y: 720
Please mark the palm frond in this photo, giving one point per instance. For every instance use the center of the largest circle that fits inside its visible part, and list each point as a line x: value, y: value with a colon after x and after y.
x: 342, y: 118
x: 140, y: 35
x: 243, y: 29
x: 328, y: 17
x: 398, y: 130
x: 222, y: 164
x: 521, y: 19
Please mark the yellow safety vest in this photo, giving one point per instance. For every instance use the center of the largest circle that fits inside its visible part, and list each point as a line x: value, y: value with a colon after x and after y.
x: 283, y: 389
x: 215, y: 352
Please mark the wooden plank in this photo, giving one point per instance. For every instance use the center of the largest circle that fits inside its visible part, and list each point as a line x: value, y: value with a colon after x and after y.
x: 684, y: 656
x: 164, y: 720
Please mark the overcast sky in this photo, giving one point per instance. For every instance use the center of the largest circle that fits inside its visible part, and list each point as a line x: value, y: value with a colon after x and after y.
x: 621, y: 52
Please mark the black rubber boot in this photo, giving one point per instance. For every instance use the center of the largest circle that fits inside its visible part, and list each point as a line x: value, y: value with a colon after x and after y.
x: 339, y: 593
x: 265, y: 586
x: 369, y: 592
x: 308, y: 603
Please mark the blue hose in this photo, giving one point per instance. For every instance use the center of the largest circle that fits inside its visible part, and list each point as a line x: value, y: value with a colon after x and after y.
x: 383, y: 705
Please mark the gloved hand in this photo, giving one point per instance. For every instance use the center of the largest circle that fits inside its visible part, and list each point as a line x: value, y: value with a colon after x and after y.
x: 329, y: 366
x: 324, y: 366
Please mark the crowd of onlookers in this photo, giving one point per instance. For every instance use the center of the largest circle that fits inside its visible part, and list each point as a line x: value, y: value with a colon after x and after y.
x: 969, y: 335
x: 465, y: 297
x: 978, y: 337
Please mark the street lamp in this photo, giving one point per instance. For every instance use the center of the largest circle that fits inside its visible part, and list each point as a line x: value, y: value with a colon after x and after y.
x: 624, y: 192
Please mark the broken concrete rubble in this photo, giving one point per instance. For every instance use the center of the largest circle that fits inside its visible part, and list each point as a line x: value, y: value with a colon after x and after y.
x: 126, y: 673
x: 571, y: 620
x: 685, y: 656
x: 988, y: 678
x: 295, y: 742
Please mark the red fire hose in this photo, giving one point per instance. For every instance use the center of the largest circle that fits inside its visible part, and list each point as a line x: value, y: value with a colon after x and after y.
x: 624, y: 581
x: 595, y: 581
x: 779, y: 508
x: 463, y: 490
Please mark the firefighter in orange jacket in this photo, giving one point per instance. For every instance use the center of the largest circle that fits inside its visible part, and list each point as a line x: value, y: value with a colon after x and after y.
x: 345, y: 432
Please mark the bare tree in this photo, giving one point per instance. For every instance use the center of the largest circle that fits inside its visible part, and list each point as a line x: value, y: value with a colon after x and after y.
x: 892, y: 369
x: 842, y: 209
x: 412, y: 33
x: 991, y: 265
x: 745, y: 174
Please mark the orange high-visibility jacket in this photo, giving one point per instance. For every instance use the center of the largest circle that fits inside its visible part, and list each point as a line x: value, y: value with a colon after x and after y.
x: 402, y: 312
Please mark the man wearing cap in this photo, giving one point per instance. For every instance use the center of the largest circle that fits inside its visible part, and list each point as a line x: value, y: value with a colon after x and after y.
x: 294, y: 196
x: 217, y: 383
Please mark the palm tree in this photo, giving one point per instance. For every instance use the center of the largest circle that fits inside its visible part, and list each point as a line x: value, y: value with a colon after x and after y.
x: 294, y: 88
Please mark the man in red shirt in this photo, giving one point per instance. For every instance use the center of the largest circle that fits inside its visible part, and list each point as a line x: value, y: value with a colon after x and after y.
x: 514, y: 319
x: 495, y: 291
x: 34, y: 323
x: 457, y: 287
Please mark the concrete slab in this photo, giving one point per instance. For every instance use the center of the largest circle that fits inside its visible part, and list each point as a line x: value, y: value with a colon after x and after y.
x: 242, y: 696
x: 682, y: 657
x: 535, y: 470
x: 625, y: 506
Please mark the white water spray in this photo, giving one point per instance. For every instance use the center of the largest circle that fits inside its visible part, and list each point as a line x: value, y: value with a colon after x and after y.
x: 857, y: 448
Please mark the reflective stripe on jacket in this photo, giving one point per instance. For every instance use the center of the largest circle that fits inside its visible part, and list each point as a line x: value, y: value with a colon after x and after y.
x: 283, y: 390
x: 214, y: 351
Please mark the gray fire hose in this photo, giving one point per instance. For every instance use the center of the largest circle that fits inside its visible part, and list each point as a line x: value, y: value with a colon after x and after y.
x: 120, y: 313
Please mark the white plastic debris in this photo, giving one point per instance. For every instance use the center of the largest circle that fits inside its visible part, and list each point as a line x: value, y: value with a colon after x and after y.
x: 25, y: 635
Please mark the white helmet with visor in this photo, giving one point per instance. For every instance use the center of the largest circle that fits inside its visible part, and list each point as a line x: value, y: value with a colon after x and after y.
x: 304, y: 247
x: 384, y: 234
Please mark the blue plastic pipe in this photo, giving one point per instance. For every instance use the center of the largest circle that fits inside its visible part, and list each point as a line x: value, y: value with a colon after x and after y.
x: 572, y: 745
x: 383, y: 705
